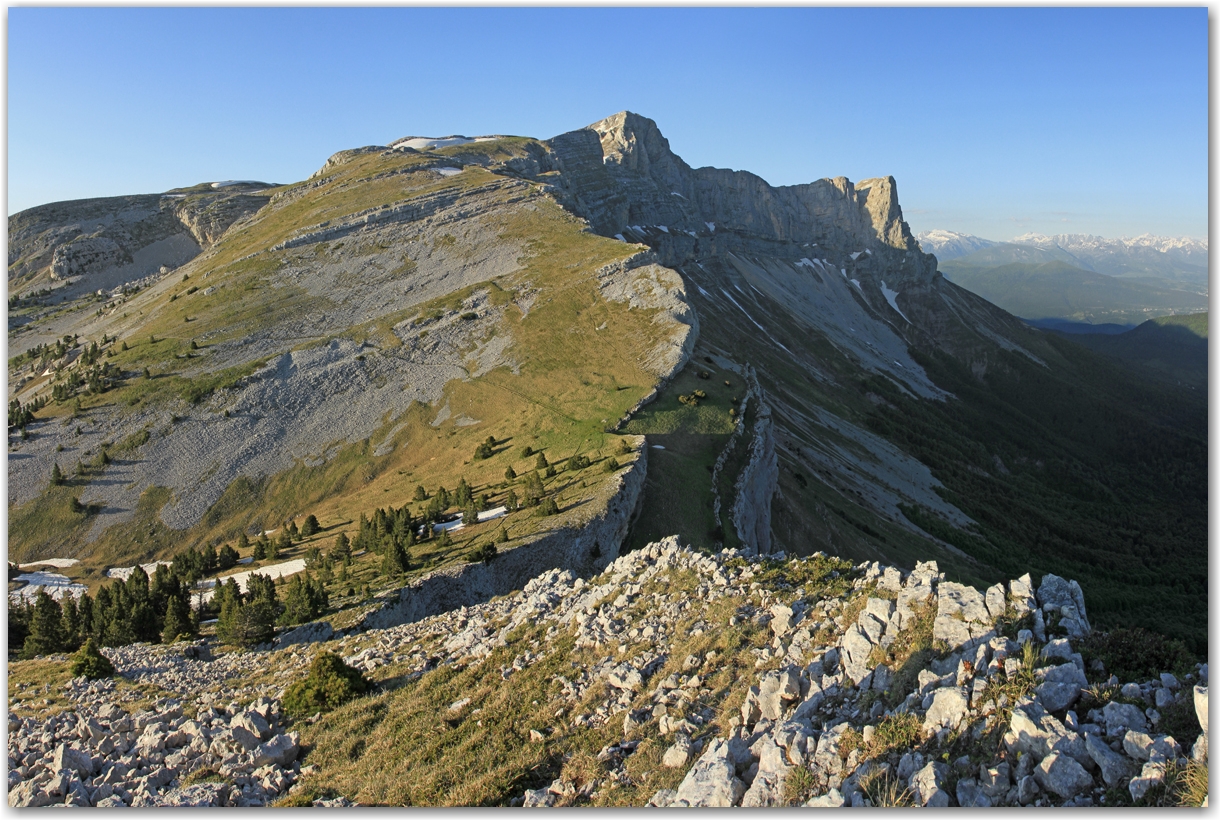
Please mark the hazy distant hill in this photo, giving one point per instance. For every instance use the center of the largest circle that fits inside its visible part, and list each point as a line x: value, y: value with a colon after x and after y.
x: 1174, y: 347
x: 1058, y: 290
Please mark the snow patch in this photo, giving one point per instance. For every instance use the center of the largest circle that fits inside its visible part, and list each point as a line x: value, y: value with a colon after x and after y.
x: 663, y: 229
x: 891, y: 296
x: 448, y: 171
x: 428, y: 143
x: 62, y: 563
x: 272, y: 571
x: 52, y: 583
x: 711, y: 226
x: 123, y: 573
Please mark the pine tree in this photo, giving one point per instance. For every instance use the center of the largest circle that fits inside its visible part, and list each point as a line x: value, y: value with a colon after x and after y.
x: 226, y: 558
x: 260, y: 549
x: 46, y: 635
x: 444, y: 540
x: 541, y: 462
x: 311, y: 525
x: 420, y: 493
x: 57, y: 476
x: 243, y: 543
x: 510, y: 474
x: 91, y: 663
x: 343, y: 547
x: 71, y: 624
x: 174, y: 623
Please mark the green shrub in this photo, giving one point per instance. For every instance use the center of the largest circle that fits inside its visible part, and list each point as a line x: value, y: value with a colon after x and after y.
x: 548, y: 507
x: 1136, y: 654
x: 91, y: 663
x: 330, y: 684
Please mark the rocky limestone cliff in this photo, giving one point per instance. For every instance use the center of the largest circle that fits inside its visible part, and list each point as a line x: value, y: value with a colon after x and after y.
x: 583, y: 546
x: 621, y: 175
x: 139, y: 233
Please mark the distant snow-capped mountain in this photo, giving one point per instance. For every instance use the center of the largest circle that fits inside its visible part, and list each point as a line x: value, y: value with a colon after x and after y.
x: 1184, y: 248
x: 950, y: 244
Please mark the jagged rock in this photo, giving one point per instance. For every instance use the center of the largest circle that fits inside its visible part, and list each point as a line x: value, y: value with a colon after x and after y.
x: 996, y: 601
x: 253, y: 722
x: 199, y: 795
x: 713, y: 780
x: 949, y: 706
x: 1027, y: 790
x: 664, y: 798
x: 1164, y: 699
x: 1062, y: 775
x: 1114, y: 767
x: 856, y: 650
x: 73, y: 760
x: 627, y: 677
x: 279, y: 751
x: 314, y: 632
x: 1151, y: 775
x: 538, y: 798
x: 1201, y: 707
x: 971, y: 795
x: 995, y: 781
x: 1037, y: 733
x: 1056, y: 594
x: 679, y: 754
x: 1138, y: 745
x: 28, y: 794
x: 1120, y: 717
x: 1060, y: 687
x: 927, y: 785
x: 781, y: 619
x: 833, y: 799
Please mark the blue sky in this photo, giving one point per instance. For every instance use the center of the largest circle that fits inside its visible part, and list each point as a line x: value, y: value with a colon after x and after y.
x: 994, y: 121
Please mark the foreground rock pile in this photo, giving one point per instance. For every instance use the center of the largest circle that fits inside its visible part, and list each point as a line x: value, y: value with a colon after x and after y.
x: 102, y: 755
x: 860, y: 685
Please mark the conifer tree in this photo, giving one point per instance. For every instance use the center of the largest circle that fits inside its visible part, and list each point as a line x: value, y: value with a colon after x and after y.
x: 226, y: 558
x: 343, y: 547
x: 174, y: 623
x: 420, y: 493
x: 57, y: 475
x: 541, y: 462
x: 311, y: 525
x: 46, y: 631
x: 509, y: 473
x: 243, y: 543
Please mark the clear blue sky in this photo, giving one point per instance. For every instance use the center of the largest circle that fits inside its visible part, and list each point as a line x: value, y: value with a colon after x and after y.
x: 994, y: 121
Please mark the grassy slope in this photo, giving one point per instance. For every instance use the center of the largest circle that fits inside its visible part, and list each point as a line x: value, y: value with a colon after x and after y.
x: 1058, y: 290
x: 557, y: 404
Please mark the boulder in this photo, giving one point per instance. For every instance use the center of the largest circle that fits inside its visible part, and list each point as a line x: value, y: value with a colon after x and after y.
x: 281, y: 750
x: 995, y: 601
x: 1120, y: 717
x: 1066, y: 597
x: 200, y: 795
x: 1201, y: 707
x: 970, y: 795
x: 927, y: 785
x: 1114, y: 767
x: 679, y: 754
x: 253, y: 722
x: 781, y: 619
x: 1061, y: 686
x: 28, y: 794
x: 1063, y: 776
x: 995, y: 782
x: 713, y: 780
x: 73, y: 760
x: 833, y: 799
x: 1027, y: 788
x: 1035, y: 732
x: 1151, y: 775
x: 949, y: 706
x: 856, y: 650
x: 625, y: 677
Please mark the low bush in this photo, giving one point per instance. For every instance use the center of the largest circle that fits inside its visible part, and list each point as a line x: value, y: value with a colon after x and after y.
x: 330, y: 684
x: 91, y: 663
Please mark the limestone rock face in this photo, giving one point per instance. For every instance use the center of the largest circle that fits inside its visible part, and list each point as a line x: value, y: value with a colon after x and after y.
x: 622, y: 175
